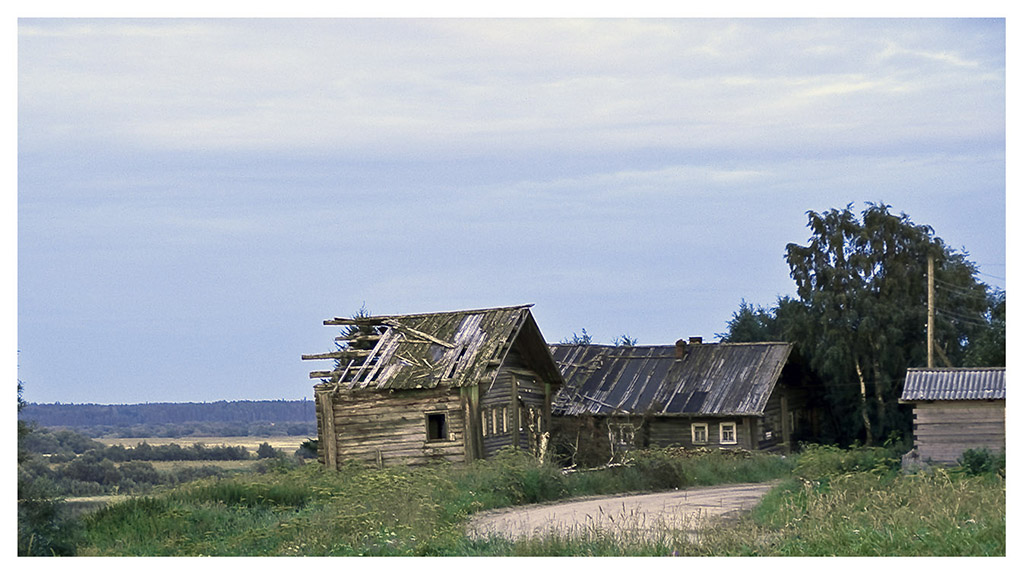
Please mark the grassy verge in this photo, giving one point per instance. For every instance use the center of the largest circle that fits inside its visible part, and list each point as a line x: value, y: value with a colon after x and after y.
x: 365, y: 511
x: 832, y: 503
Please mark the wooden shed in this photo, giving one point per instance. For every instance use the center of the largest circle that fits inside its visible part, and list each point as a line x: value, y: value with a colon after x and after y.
x: 453, y: 386
x: 691, y: 394
x: 955, y: 409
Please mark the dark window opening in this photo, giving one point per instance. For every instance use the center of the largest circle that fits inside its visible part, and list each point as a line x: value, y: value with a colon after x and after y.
x: 437, y: 427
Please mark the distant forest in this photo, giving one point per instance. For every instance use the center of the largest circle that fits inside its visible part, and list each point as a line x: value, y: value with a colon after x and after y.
x: 220, y: 418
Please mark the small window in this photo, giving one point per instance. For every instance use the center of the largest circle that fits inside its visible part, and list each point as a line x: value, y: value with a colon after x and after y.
x: 437, y: 427
x: 727, y: 433
x: 699, y: 431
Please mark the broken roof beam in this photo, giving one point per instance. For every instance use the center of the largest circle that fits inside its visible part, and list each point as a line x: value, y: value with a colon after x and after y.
x: 408, y: 329
x: 327, y: 374
x: 375, y: 320
x: 358, y: 338
x: 343, y: 354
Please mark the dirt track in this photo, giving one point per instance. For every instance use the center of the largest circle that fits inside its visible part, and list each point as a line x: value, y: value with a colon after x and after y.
x: 653, y: 512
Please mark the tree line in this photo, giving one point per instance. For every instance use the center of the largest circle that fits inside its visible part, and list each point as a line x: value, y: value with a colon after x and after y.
x: 277, y: 412
x: 860, y: 317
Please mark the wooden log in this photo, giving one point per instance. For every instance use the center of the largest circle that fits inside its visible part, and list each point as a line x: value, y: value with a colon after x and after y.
x: 340, y: 354
x: 406, y: 329
x: 354, y: 321
x: 358, y: 338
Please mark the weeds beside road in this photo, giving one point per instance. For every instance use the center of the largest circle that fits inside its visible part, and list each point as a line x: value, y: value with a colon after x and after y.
x: 831, y: 502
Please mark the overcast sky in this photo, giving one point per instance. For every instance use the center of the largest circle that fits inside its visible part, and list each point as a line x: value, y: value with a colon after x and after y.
x: 196, y: 196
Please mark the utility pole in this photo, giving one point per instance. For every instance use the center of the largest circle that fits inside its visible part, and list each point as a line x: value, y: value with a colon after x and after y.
x: 931, y: 311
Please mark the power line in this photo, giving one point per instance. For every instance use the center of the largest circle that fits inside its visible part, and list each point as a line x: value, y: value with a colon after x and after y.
x: 962, y: 319
x: 962, y: 292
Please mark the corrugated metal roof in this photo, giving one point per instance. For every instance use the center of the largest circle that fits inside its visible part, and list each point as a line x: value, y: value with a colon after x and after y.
x: 954, y: 384
x: 710, y: 379
x: 455, y: 348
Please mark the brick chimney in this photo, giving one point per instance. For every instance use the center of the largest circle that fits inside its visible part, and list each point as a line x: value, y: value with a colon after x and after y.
x: 696, y: 340
x: 680, y: 349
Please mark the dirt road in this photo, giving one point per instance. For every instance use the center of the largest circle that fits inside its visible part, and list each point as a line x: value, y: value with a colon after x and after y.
x: 685, y: 510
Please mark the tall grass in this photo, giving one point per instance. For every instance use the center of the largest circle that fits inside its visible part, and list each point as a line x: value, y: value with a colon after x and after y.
x: 858, y: 503
x: 359, y: 510
x: 834, y: 502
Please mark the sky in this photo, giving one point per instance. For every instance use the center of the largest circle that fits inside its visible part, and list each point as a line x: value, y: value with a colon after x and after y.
x: 195, y: 196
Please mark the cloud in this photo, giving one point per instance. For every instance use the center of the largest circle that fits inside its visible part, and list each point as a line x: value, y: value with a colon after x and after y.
x: 412, y: 87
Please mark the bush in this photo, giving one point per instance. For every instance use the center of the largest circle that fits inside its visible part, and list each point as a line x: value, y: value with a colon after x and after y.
x: 817, y: 462
x: 44, y: 525
x: 981, y: 461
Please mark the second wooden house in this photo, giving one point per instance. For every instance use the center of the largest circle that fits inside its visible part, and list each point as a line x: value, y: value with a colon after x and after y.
x: 692, y: 394
x: 453, y: 386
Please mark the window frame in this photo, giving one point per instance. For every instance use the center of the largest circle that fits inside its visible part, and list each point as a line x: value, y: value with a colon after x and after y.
x: 721, y: 433
x: 693, y: 433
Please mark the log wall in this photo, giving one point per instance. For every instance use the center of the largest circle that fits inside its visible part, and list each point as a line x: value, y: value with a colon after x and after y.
x: 943, y: 430
x: 676, y: 432
x: 390, y: 428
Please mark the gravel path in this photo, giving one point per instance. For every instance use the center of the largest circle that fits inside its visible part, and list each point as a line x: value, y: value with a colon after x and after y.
x: 644, y: 514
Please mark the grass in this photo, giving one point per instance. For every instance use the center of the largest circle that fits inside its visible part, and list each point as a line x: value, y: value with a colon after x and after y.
x: 832, y: 502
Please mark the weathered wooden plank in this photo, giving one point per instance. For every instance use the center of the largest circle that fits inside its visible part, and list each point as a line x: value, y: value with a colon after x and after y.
x: 370, y: 453
x: 340, y: 354
x: 406, y: 329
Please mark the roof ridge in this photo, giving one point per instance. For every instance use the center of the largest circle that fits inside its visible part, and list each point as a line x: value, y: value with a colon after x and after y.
x: 463, y: 311
x: 991, y: 368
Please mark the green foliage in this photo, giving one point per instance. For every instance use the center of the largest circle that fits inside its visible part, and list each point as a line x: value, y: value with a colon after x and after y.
x: 821, y: 462
x: 244, y: 493
x: 578, y: 339
x: 308, y: 449
x: 624, y: 341
x: 44, y: 526
x: 982, y: 461
x: 865, y: 513
x: 265, y: 450
x: 363, y: 510
x: 861, y: 315
x: 857, y: 504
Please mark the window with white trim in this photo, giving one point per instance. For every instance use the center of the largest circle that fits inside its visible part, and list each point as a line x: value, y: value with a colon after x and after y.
x: 699, y: 433
x: 727, y: 432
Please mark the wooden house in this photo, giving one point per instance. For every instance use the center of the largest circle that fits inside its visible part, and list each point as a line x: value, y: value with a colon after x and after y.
x: 453, y: 386
x: 692, y: 394
x: 955, y: 409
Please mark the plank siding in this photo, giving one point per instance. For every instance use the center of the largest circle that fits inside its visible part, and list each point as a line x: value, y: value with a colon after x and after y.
x: 677, y: 432
x: 944, y: 430
x: 391, y: 428
x: 497, y: 399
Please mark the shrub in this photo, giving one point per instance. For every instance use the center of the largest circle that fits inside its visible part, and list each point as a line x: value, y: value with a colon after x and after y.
x: 817, y: 462
x: 980, y: 461
x: 245, y: 494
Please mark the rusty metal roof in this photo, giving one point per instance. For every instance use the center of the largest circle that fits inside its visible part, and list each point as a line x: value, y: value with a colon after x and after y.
x: 455, y: 348
x: 954, y: 384
x: 710, y: 378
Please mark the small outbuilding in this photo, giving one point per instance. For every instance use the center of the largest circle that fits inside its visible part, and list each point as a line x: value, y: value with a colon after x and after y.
x: 955, y: 409
x: 691, y: 394
x: 453, y: 386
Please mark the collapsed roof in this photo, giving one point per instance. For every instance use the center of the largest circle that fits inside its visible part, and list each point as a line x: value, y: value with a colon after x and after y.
x: 423, y: 351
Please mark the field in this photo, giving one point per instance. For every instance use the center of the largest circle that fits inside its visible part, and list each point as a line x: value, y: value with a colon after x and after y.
x: 285, y: 443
